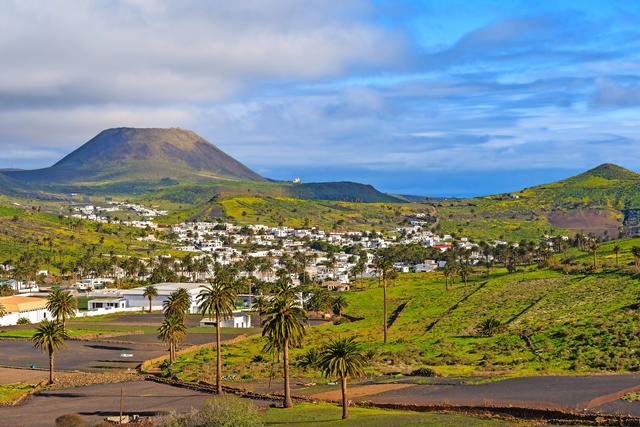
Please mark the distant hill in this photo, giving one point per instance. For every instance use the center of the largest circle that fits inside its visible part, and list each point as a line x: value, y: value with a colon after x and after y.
x: 607, y: 186
x: 127, y: 154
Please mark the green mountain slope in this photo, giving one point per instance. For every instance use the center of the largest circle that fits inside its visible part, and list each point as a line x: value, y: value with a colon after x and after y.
x: 606, y: 186
x: 128, y: 154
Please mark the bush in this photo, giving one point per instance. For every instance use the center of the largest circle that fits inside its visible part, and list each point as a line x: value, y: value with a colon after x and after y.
x: 222, y: 411
x: 489, y: 327
x: 24, y: 321
x: 424, y: 372
x: 70, y: 420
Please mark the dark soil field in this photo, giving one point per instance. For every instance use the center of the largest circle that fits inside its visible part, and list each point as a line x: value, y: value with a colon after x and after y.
x: 585, y: 220
x: 94, y: 403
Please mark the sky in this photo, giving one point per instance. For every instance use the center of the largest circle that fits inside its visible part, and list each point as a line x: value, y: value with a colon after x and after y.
x: 433, y: 97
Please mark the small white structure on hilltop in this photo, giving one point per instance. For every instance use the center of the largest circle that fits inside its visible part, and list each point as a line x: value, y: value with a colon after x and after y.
x: 17, y: 307
x: 239, y: 320
x: 135, y: 298
x: 297, y: 181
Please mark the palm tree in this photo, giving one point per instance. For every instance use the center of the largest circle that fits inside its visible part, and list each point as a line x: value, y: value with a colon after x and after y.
x: 616, y: 250
x: 340, y: 303
x: 341, y: 357
x: 172, y: 330
x: 261, y: 304
x: 151, y: 292
x: 3, y: 311
x: 62, y: 305
x: 217, y: 299
x: 178, y: 304
x: 384, y: 265
x: 284, y: 325
x: 50, y: 336
x: 635, y: 250
x: 593, y: 248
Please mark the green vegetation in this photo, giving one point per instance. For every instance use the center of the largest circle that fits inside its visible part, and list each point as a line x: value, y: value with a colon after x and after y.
x: 10, y: 392
x: 563, y: 319
x: 329, y: 416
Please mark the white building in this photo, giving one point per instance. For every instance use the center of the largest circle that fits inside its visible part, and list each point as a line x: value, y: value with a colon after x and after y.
x: 17, y: 307
x: 135, y: 298
x: 239, y: 320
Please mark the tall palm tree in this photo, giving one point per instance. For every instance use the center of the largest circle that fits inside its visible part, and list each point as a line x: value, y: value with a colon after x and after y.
x: 62, y: 305
x: 150, y: 292
x: 172, y: 330
x: 616, y: 250
x: 341, y: 357
x: 50, y: 336
x: 217, y: 299
x: 593, y: 248
x: 284, y: 325
x: 384, y: 265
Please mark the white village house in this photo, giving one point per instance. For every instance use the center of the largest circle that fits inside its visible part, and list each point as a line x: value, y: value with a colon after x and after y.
x: 134, y: 296
x: 17, y: 307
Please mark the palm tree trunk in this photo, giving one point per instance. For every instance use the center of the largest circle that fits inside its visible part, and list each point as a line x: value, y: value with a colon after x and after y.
x: 149, y: 305
x: 218, y: 359
x: 384, y: 296
x: 345, y: 406
x: 51, y: 366
x: 288, y: 403
x: 172, y: 356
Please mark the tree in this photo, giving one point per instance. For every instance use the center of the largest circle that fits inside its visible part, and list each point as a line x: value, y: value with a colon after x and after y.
x: 340, y: 303
x: 217, y: 299
x: 261, y: 304
x: 593, y: 248
x: 341, y: 357
x: 284, y: 326
x: 62, y: 305
x: 384, y: 265
x: 151, y: 292
x: 178, y: 304
x: 464, y: 270
x: 616, y: 250
x: 3, y: 311
x: 172, y: 330
x: 49, y: 337
x: 635, y: 251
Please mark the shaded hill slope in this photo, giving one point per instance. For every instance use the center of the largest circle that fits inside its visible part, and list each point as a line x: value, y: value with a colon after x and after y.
x: 127, y: 154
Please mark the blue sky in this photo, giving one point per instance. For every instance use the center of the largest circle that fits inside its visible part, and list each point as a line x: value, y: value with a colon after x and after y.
x: 440, y: 98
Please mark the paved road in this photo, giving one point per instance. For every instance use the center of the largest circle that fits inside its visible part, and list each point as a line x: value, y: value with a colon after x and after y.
x: 550, y: 392
x: 94, y: 403
x: 79, y: 355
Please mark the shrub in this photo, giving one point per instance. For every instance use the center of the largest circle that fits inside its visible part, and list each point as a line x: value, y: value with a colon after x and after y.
x: 222, y: 411
x: 24, y: 321
x: 70, y: 420
x: 489, y: 327
x: 424, y: 372
x: 259, y: 358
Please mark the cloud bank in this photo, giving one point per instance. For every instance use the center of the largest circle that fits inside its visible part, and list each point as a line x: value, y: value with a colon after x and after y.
x: 395, y: 93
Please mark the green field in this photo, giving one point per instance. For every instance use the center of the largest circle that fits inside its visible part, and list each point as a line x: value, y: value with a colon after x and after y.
x: 330, y: 415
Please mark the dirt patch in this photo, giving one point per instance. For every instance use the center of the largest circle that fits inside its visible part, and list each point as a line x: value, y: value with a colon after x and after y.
x: 365, y: 390
x: 587, y: 220
x: 216, y: 212
x: 14, y: 376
